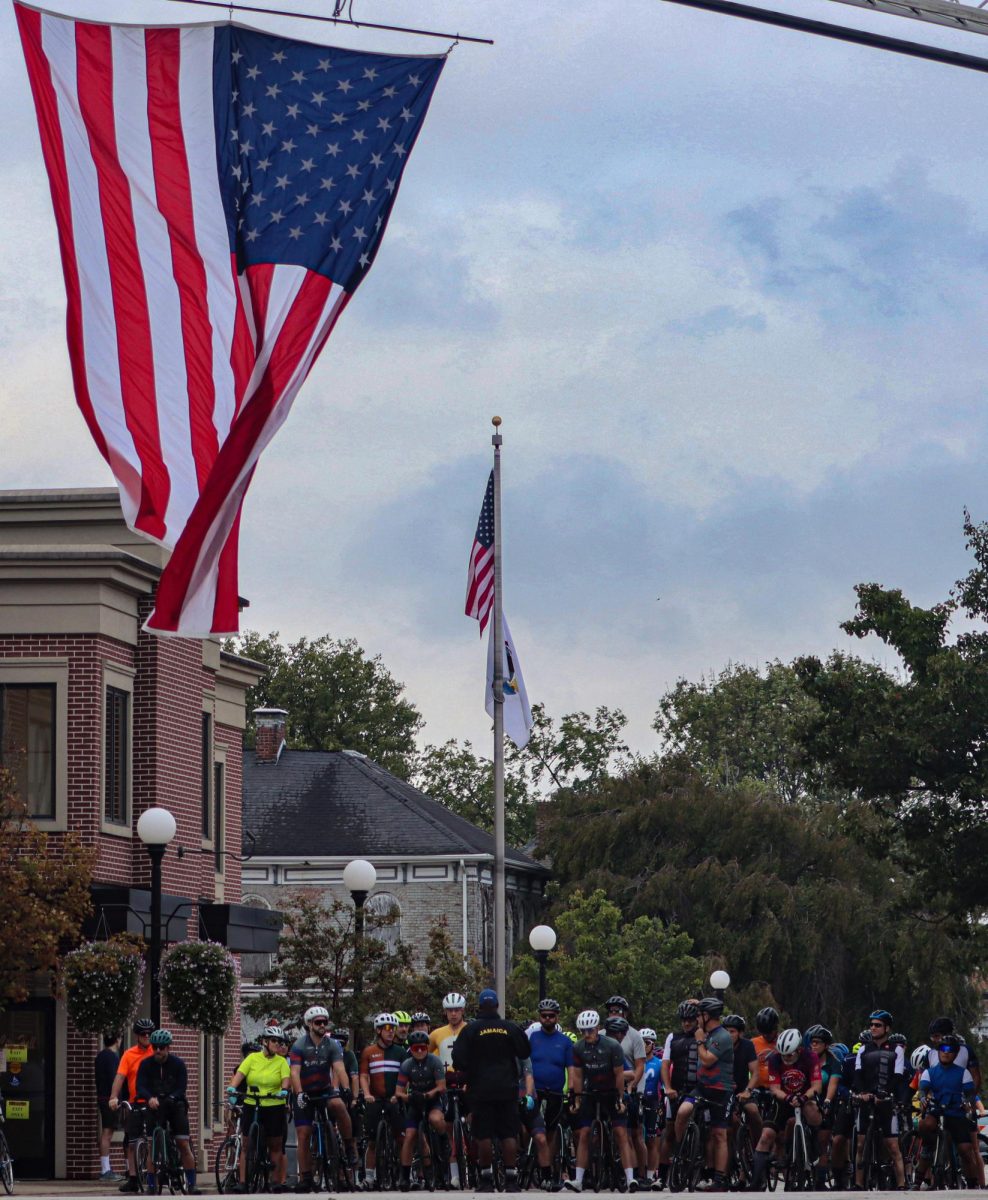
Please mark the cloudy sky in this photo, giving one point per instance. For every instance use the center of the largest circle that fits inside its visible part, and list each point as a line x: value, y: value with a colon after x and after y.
x: 724, y: 283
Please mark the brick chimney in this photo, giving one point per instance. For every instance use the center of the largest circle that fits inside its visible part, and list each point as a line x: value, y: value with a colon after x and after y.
x: 270, y: 729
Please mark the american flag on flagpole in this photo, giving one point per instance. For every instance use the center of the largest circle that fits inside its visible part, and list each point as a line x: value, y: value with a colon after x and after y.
x: 480, y: 574
x: 220, y: 193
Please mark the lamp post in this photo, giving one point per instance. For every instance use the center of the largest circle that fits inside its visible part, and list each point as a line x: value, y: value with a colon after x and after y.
x: 720, y: 981
x: 359, y: 876
x: 542, y: 939
x: 156, y: 828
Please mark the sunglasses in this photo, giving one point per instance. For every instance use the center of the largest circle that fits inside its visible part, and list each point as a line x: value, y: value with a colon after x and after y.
x: 424, y: 1049
x: 876, y: 1024
x: 548, y: 1016
x: 948, y: 1049
x: 318, y: 1022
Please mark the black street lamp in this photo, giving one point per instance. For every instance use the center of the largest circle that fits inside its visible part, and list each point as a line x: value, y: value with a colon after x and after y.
x: 156, y: 828
x: 542, y: 939
x: 359, y: 876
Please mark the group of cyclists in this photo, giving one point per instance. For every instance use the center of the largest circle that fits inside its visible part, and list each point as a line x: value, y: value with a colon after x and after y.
x: 542, y: 1095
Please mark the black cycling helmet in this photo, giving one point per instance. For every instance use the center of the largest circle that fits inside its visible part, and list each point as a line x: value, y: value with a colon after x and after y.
x: 734, y: 1021
x: 711, y: 1006
x: 143, y: 1025
x: 618, y: 1002
x: 341, y: 1035
x: 881, y: 1014
x: 820, y: 1033
x: 418, y: 1038
x: 617, y: 1027
x: 897, y: 1039
x: 549, y: 1005
x: 687, y: 1011
x: 951, y: 1042
x: 421, y: 1018
x: 940, y: 1025
x: 865, y: 1036
x: 767, y: 1020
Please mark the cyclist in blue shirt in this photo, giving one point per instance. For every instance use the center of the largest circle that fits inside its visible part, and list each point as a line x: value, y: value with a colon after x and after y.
x: 948, y: 1089
x: 552, y: 1069
x: 651, y: 1095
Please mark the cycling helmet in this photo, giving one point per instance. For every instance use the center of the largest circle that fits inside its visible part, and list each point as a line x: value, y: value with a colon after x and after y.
x: 710, y: 1006
x: 864, y: 1037
x: 618, y: 1002
x: 161, y: 1037
x: 420, y: 1018
x: 587, y: 1020
x: 418, y: 1038
x: 840, y: 1051
x: 897, y: 1039
x: 919, y: 1060
x: 821, y: 1033
x: 275, y: 1032
x: 341, y: 1035
x: 789, y: 1041
x: 402, y: 1017
x: 249, y: 1048
x: 687, y: 1011
x: 734, y: 1021
x: 617, y: 1027
x: 548, y: 1005
x: 316, y: 1010
x: 949, y: 1041
x: 940, y: 1025
x: 648, y: 1035
x: 454, y: 1000
x: 384, y: 1020
x: 881, y: 1014
x: 143, y: 1025
x: 767, y: 1020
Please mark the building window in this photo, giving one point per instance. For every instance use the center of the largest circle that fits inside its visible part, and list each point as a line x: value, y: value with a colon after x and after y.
x: 27, y: 743
x: 212, y: 1081
x: 218, y: 838
x: 116, y: 757
x: 207, y: 774
x: 384, y: 919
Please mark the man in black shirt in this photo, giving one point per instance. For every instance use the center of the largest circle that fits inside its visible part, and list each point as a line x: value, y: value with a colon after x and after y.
x: 162, y: 1081
x: 488, y: 1052
x: 104, y: 1070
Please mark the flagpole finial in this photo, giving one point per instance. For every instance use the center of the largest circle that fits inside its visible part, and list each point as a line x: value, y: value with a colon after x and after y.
x: 496, y: 436
x: 496, y: 422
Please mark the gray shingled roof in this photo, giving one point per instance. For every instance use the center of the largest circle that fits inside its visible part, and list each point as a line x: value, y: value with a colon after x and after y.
x: 335, y: 804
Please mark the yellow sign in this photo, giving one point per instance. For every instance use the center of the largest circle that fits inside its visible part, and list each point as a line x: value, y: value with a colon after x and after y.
x: 16, y: 1054
x: 18, y: 1110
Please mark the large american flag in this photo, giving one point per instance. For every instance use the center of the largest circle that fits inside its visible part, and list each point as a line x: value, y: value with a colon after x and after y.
x: 219, y: 193
x: 480, y: 573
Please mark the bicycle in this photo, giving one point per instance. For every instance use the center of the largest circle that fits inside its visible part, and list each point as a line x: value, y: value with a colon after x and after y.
x: 142, y: 1155
x: 165, y: 1162
x: 386, y: 1162
x: 876, y: 1170
x: 434, y: 1172
x: 603, y: 1170
x: 469, y: 1173
x: 227, y: 1166
x: 6, y: 1162
x: 799, y: 1161
x: 330, y: 1169
x: 742, y: 1153
x: 944, y: 1172
x: 690, y: 1158
x: 259, y: 1164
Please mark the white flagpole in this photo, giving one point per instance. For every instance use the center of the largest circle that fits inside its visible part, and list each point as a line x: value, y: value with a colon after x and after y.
x: 500, y: 950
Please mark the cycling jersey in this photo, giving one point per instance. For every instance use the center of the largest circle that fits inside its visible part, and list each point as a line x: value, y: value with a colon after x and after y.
x: 948, y: 1086
x: 681, y: 1054
x: 168, y: 1078
x: 129, y: 1064
x: 880, y: 1069
x: 421, y: 1075
x: 763, y: 1048
x: 488, y: 1051
x: 744, y: 1055
x: 652, y: 1075
x: 633, y: 1048
x: 794, y: 1078
x: 598, y: 1060
x: 552, y: 1054
x: 350, y: 1064
x: 266, y: 1074
x: 316, y: 1062
x: 382, y: 1064
x: 720, y: 1073
x: 829, y: 1067
x: 441, y: 1043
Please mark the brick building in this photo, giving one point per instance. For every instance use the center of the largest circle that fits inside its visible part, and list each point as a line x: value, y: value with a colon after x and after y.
x: 309, y: 812
x: 100, y: 720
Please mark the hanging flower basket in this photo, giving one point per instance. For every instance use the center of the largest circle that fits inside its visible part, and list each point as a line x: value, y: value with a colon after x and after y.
x: 199, y: 984
x: 103, y: 983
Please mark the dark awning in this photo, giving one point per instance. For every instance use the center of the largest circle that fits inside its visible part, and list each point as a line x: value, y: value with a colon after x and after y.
x: 128, y: 910
x: 242, y: 928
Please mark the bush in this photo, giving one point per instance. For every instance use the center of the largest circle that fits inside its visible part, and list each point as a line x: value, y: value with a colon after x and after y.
x: 103, y: 983
x: 199, y: 984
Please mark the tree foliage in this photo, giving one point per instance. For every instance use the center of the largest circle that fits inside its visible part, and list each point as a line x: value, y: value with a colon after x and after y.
x: 463, y: 781
x: 598, y: 952
x: 801, y: 913
x: 336, y: 697
x: 44, y: 895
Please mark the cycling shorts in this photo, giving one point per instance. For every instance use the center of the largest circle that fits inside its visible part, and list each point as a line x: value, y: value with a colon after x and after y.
x: 632, y: 1102
x: 494, y: 1118
x: 608, y: 1105
x: 274, y: 1119
x: 650, y: 1117
x: 842, y: 1117
x: 719, y: 1101
x: 780, y: 1114
x: 959, y: 1129
x: 885, y: 1117
x: 303, y: 1117
x: 417, y: 1107
x: 553, y: 1107
x: 175, y: 1112
x: 393, y: 1113
x: 531, y: 1118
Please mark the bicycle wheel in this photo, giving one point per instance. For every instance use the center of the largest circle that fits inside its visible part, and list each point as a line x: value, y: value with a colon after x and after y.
x: 681, y: 1167
x: 799, y: 1173
x: 344, y: 1172
x: 743, y: 1158
x: 329, y: 1160
x: 142, y: 1164
x: 176, y: 1172
x: 255, y: 1159
x: 384, y: 1156
x: 467, y: 1168
x: 227, y: 1164
x: 869, y: 1159
x: 159, y: 1161
x: 6, y: 1166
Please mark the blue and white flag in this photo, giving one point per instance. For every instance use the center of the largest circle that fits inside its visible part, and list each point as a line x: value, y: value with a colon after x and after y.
x: 517, y: 710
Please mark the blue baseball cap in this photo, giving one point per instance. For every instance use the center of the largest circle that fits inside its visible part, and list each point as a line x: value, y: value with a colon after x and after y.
x: 487, y: 998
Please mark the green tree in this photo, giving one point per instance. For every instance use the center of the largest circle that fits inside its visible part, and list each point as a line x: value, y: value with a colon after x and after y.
x: 44, y: 895
x: 599, y: 952
x: 463, y: 781
x: 337, y: 698
x: 445, y: 971
x: 577, y: 753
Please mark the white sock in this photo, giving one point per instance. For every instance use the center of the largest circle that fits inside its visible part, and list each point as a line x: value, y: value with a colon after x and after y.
x: 104, y: 1163
x: 454, y: 1172
x: 371, y: 1174
x: 629, y: 1173
x: 580, y: 1171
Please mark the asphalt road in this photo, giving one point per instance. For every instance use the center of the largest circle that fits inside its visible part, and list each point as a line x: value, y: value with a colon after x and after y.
x: 59, y: 1190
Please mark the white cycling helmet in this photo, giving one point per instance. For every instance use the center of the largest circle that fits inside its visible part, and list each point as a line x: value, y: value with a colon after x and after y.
x: 316, y: 1010
x: 383, y: 1020
x: 454, y: 1000
x: 919, y: 1060
x: 648, y: 1035
x: 275, y: 1032
x: 789, y: 1041
x: 587, y: 1020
